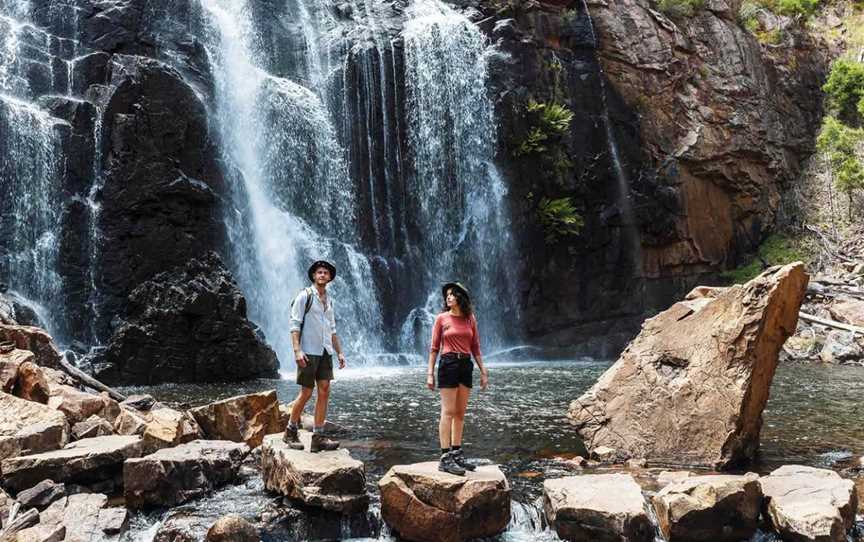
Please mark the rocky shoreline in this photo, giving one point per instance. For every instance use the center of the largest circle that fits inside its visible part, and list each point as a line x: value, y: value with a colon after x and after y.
x: 74, y: 463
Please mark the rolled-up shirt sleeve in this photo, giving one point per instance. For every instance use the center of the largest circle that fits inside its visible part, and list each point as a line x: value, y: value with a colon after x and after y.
x: 475, y: 341
x: 331, y: 318
x: 297, y: 311
x: 436, y: 336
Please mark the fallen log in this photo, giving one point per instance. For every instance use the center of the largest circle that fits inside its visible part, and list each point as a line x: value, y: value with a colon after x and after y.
x: 87, y: 380
x: 831, y: 323
x: 19, y: 523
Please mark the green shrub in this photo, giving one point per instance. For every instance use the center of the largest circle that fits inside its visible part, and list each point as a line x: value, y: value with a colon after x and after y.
x: 775, y: 250
x: 770, y: 37
x: 845, y: 89
x: 747, y: 16
x: 839, y: 143
x: 679, y: 8
x: 550, y: 122
x: 559, y: 218
x: 796, y: 8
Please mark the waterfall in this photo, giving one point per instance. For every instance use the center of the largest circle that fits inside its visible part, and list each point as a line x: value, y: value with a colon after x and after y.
x: 30, y: 177
x: 456, y: 192
x: 292, y: 199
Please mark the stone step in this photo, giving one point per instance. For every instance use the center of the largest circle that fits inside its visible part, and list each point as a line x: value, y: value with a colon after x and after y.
x: 329, y: 480
x: 424, y: 504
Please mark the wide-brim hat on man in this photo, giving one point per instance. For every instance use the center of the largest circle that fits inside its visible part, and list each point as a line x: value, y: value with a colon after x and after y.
x: 317, y: 265
x: 456, y: 285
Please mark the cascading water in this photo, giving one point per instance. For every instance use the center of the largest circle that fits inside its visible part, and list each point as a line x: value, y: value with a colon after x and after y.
x: 456, y: 192
x: 30, y: 176
x: 292, y: 199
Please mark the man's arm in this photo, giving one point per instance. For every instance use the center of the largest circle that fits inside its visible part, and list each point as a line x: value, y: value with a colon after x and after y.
x: 338, y: 347
x: 294, y: 326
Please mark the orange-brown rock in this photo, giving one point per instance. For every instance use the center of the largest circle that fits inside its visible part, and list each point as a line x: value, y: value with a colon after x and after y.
x: 168, y: 427
x: 78, y: 405
x: 9, y: 364
x: 32, y: 384
x: 425, y: 505
x: 27, y: 427
x: 848, y: 310
x: 232, y: 528
x: 245, y: 418
x: 34, y: 339
x: 692, y: 386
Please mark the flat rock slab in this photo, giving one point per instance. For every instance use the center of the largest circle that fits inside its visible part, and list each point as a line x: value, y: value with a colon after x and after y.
x: 175, y: 475
x: 27, y: 427
x: 85, y: 462
x: 329, y: 480
x: 78, y: 518
x: 721, y: 508
x: 424, y: 504
x: 597, y: 508
x: 809, y: 504
x: 245, y: 418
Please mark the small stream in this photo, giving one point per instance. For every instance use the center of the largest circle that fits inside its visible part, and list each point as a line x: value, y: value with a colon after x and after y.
x: 390, y: 418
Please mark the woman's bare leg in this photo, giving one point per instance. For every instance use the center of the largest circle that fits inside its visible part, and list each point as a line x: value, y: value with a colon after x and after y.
x: 462, y: 396
x: 449, y: 397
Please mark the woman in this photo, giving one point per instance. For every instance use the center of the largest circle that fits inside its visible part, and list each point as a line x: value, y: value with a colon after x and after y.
x: 455, y: 335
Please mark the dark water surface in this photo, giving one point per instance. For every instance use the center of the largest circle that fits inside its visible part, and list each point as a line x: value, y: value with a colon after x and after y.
x: 813, y: 417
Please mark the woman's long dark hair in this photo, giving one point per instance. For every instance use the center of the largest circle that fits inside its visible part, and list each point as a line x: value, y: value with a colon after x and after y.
x: 462, y: 300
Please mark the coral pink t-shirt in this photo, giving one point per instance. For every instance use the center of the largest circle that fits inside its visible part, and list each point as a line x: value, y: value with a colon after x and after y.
x: 456, y: 334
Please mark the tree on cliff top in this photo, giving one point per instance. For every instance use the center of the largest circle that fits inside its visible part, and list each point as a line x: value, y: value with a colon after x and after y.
x: 844, y: 90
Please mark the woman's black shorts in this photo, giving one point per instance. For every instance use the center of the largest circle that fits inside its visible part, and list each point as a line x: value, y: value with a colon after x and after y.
x: 455, y: 369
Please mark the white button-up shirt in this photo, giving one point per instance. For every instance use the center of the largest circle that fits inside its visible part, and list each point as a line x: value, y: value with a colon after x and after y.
x: 317, y: 335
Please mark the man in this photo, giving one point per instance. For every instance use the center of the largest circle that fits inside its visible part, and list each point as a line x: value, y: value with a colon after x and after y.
x: 313, y: 334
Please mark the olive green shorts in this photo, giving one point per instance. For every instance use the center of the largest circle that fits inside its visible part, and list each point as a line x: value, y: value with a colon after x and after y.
x: 317, y: 368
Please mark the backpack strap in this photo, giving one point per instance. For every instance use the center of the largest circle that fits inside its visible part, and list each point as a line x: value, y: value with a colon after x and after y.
x: 306, y: 309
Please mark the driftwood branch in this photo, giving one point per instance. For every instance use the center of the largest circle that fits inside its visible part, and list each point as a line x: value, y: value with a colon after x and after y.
x: 831, y: 323
x: 18, y: 523
x: 83, y: 378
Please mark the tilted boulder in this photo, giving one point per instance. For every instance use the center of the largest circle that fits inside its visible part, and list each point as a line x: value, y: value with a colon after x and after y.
x: 597, y: 507
x: 9, y: 363
x: 27, y: 427
x: 424, y: 504
x: 692, y: 386
x: 79, y: 405
x: 34, y: 339
x: 809, y: 504
x: 131, y: 421
x: 721, y: 508
x: 245, y: 418
x: 32, y: 383
x: 94, y: 426
x: 329, y: 480
x: 84, y: 462
x: 41, y: 495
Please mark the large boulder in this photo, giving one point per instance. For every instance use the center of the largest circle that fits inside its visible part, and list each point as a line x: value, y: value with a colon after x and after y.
x: 175, y: 475
x: 424, y: 504
x: 27, y: 427
x: 9, y: 363
x: 692, y: 386
x: 187, y: 324
x: 597, y: 507
x: 41, y: 495
x: 723, y: 508
x: 329, y: 480
x: 32, y: 383
x: 841, y: 347
x: 131, y: 421
x: 232, y: 528
x: 809, y: 504
x: 848, y: 310
x: 245, y: 418
x: 83, y: 462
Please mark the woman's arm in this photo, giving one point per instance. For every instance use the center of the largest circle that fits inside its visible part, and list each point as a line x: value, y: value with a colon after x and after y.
x: 433, y: 353
x: 478, y: 357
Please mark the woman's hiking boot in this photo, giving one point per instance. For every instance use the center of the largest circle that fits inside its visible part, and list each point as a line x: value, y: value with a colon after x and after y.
x: 460, y: 460
x: 320, y: 442
x: 448, y: 464
x: 292, y: 438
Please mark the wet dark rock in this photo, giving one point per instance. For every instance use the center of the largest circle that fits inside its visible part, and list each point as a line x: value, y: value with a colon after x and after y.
x: 41, y: 495
x: 186, y: 325
x: 15, y: 310
x: 232, y: 528
x: 160, y: 200
x: 139, y: 402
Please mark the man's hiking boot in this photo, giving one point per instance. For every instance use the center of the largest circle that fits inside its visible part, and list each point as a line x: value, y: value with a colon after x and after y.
x: 292, y: 438
x: 460, y: 460
x: 448, y: 464
x: 320, y: 442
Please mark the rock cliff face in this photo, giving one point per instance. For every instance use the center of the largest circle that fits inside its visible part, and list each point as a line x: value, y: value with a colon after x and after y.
x: 683, y: 135
x: 707, y: 127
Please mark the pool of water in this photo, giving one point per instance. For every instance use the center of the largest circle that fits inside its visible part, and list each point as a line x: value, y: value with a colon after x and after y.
x: 390, y: 417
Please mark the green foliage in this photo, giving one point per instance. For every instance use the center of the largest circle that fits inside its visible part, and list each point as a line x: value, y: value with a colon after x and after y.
x: 679, y: 8
x: 770, y: 37
x: 559, y: 218
x: 747, y: 16
x: 839, y: 144
x: 845, y: 89
x: 796, y: 8
x: 775, y: 250
x: 551, y: 123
